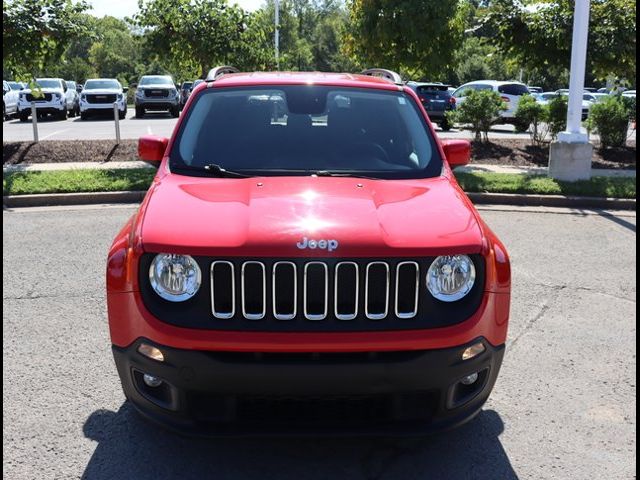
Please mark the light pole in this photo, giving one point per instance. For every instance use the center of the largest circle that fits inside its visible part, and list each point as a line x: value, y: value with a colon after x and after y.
x: 570, y: 156
x: 277, y: 35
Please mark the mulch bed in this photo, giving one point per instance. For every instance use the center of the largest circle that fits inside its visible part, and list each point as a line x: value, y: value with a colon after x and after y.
x: 515, y: 152
x: 521, y: 153
x: 63, y: 151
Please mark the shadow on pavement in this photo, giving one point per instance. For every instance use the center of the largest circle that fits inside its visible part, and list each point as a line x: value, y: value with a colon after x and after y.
x: 129, y: 447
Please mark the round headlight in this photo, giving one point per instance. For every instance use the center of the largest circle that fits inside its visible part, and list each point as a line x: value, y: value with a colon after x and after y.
x: 175, y: 277
x: 451, y: 277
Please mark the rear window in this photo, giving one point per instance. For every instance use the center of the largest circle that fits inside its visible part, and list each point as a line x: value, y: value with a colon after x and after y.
x: 513, y: 89
x: 434, y: 93
x: 302, y: 130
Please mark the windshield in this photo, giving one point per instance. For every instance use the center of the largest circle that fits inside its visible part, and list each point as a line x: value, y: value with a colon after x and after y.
x: 156, y: 80
x: 15, y: 86
x: 100, y: 84
x: 304, y: 129
x: 49, y: 83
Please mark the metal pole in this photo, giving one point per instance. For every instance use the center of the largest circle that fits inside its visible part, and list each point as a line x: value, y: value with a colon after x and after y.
x: 116, y: 116
x: 34, y: 121
x: 574, y: 134
x: 277, y: 36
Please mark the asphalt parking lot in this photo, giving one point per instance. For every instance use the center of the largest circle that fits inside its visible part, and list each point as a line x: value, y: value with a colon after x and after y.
x: 157, y: 123
x: 563, y: 407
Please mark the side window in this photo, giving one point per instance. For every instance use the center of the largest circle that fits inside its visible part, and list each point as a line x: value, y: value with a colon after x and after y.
x: 483, y: 87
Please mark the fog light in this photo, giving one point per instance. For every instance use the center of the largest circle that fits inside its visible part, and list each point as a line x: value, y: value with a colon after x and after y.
x: 468, y: 380
x: 152, y: 381
x: 473, y: 351
x: 151, y: 352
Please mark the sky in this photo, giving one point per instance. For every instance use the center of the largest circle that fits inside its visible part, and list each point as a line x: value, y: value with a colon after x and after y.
x: 126, y: 8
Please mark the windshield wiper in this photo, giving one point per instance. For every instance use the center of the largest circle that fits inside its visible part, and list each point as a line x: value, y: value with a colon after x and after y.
x: 328, y: 173
x: 213, y: 170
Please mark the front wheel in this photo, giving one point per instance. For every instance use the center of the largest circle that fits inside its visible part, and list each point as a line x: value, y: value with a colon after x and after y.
x: 24, y: 116
x: 84, y: 115
x: 63, y: 114
x: 175, y: 112
x: 122, y: 115
x: 139, y: 112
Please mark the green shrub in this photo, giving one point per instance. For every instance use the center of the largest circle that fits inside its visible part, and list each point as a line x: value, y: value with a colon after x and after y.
x: 480, y: 108
x: 557, y: 115
x: 536, y: 115
x: 610, y: 120
x: 630, y: 105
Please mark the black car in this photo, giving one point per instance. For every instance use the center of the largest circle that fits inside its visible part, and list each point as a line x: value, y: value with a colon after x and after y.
x: 436, y: 100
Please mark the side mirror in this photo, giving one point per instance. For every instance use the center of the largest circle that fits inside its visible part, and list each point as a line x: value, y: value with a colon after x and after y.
x: 125, y: 89
x: 151, y: 148
x: 64, y: 87
x: 458, y: 152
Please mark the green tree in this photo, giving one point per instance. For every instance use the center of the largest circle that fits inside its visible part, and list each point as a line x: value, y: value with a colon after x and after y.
x: 531, y: 112
x: 413, y: 36
x: 610, y: 120
x: 194, y: 35
x: 539, y: 35
x: 36, y: 32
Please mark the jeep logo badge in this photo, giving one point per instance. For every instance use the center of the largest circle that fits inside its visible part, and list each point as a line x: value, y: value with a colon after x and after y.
x: 329, y: 245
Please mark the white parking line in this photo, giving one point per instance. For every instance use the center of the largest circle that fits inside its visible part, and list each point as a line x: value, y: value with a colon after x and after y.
x: 54, y: 133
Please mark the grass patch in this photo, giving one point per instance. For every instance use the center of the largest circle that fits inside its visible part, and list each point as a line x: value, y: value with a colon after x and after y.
x: 75, y: 181
x: 69, y: 181
x: 615, y: 187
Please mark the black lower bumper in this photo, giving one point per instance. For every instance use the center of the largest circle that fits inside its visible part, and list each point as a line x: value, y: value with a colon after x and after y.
x: 234, y: 393
x: 157, y: 106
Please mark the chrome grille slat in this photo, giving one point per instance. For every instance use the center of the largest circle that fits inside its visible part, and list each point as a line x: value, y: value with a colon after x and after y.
x: 248, y: 315
x: 372, y: 315
x: 232, y: 312
x: 323, y: 315
x: 284, y: 316
x: 343, y: 316
x: 413, y: 312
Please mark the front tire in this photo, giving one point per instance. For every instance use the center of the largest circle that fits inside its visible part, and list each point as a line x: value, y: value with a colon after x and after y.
x: 63, y: 115
x: 24, y: 117
x: 122, y: 115
x: 84, y: 115
x: 175, y: 112
x: 139, y: 112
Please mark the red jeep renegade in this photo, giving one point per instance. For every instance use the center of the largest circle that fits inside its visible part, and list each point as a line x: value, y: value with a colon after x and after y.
x: 305, y: 261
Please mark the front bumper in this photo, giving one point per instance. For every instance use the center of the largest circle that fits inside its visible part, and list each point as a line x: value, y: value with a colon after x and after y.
x: 54, y: 106
x: 363, y: 393
x: 101, y: 107
x: 160, y: 103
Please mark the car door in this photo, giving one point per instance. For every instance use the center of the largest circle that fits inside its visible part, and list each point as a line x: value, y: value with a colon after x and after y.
x: 10, y: 98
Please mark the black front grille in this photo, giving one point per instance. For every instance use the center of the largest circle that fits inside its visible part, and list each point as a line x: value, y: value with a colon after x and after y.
x: 304, y: 294
x: 156, y: 92
x: 321, y: 411
x: 101, y: 98
x: 45, y: 97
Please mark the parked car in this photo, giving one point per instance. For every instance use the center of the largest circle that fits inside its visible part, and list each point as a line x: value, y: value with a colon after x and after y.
x: 73, y: 98
x: 629, y: 93
x: 17, y: 85
x: 157, y: 93
x: 588, y: 99
x: 510, y: 92
x: 600, y: 96
x: 79, y: 87
x: 9, y: 100
x: 603, y: 90
x: 312, y: 268
x: 534, y: 89
x: 99, y: 95
x: 436, y: 100
x: 185, y: 91
x: 49, y: 98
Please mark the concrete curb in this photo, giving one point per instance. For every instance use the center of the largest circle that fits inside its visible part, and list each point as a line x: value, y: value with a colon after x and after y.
x: 552, y: 201
x: 89, y: 198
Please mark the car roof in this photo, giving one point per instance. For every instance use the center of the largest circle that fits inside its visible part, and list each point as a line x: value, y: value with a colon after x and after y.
x: 495, y: 83
x: 304, y: 78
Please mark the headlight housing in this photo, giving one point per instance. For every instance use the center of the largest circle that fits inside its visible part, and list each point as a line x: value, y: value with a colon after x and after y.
x: 451, y: 277
x: 139, y: 93
x: 176, y: 278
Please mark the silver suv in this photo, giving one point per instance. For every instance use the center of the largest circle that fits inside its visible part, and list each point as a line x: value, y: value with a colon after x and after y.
x: 157, y: 93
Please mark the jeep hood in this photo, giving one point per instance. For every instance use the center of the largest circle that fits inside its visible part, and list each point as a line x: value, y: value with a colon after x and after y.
x: 270, y: 216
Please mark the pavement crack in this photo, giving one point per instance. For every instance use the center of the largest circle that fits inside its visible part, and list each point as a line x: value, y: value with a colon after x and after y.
x: 543, y: 310
x: 58, y: 295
